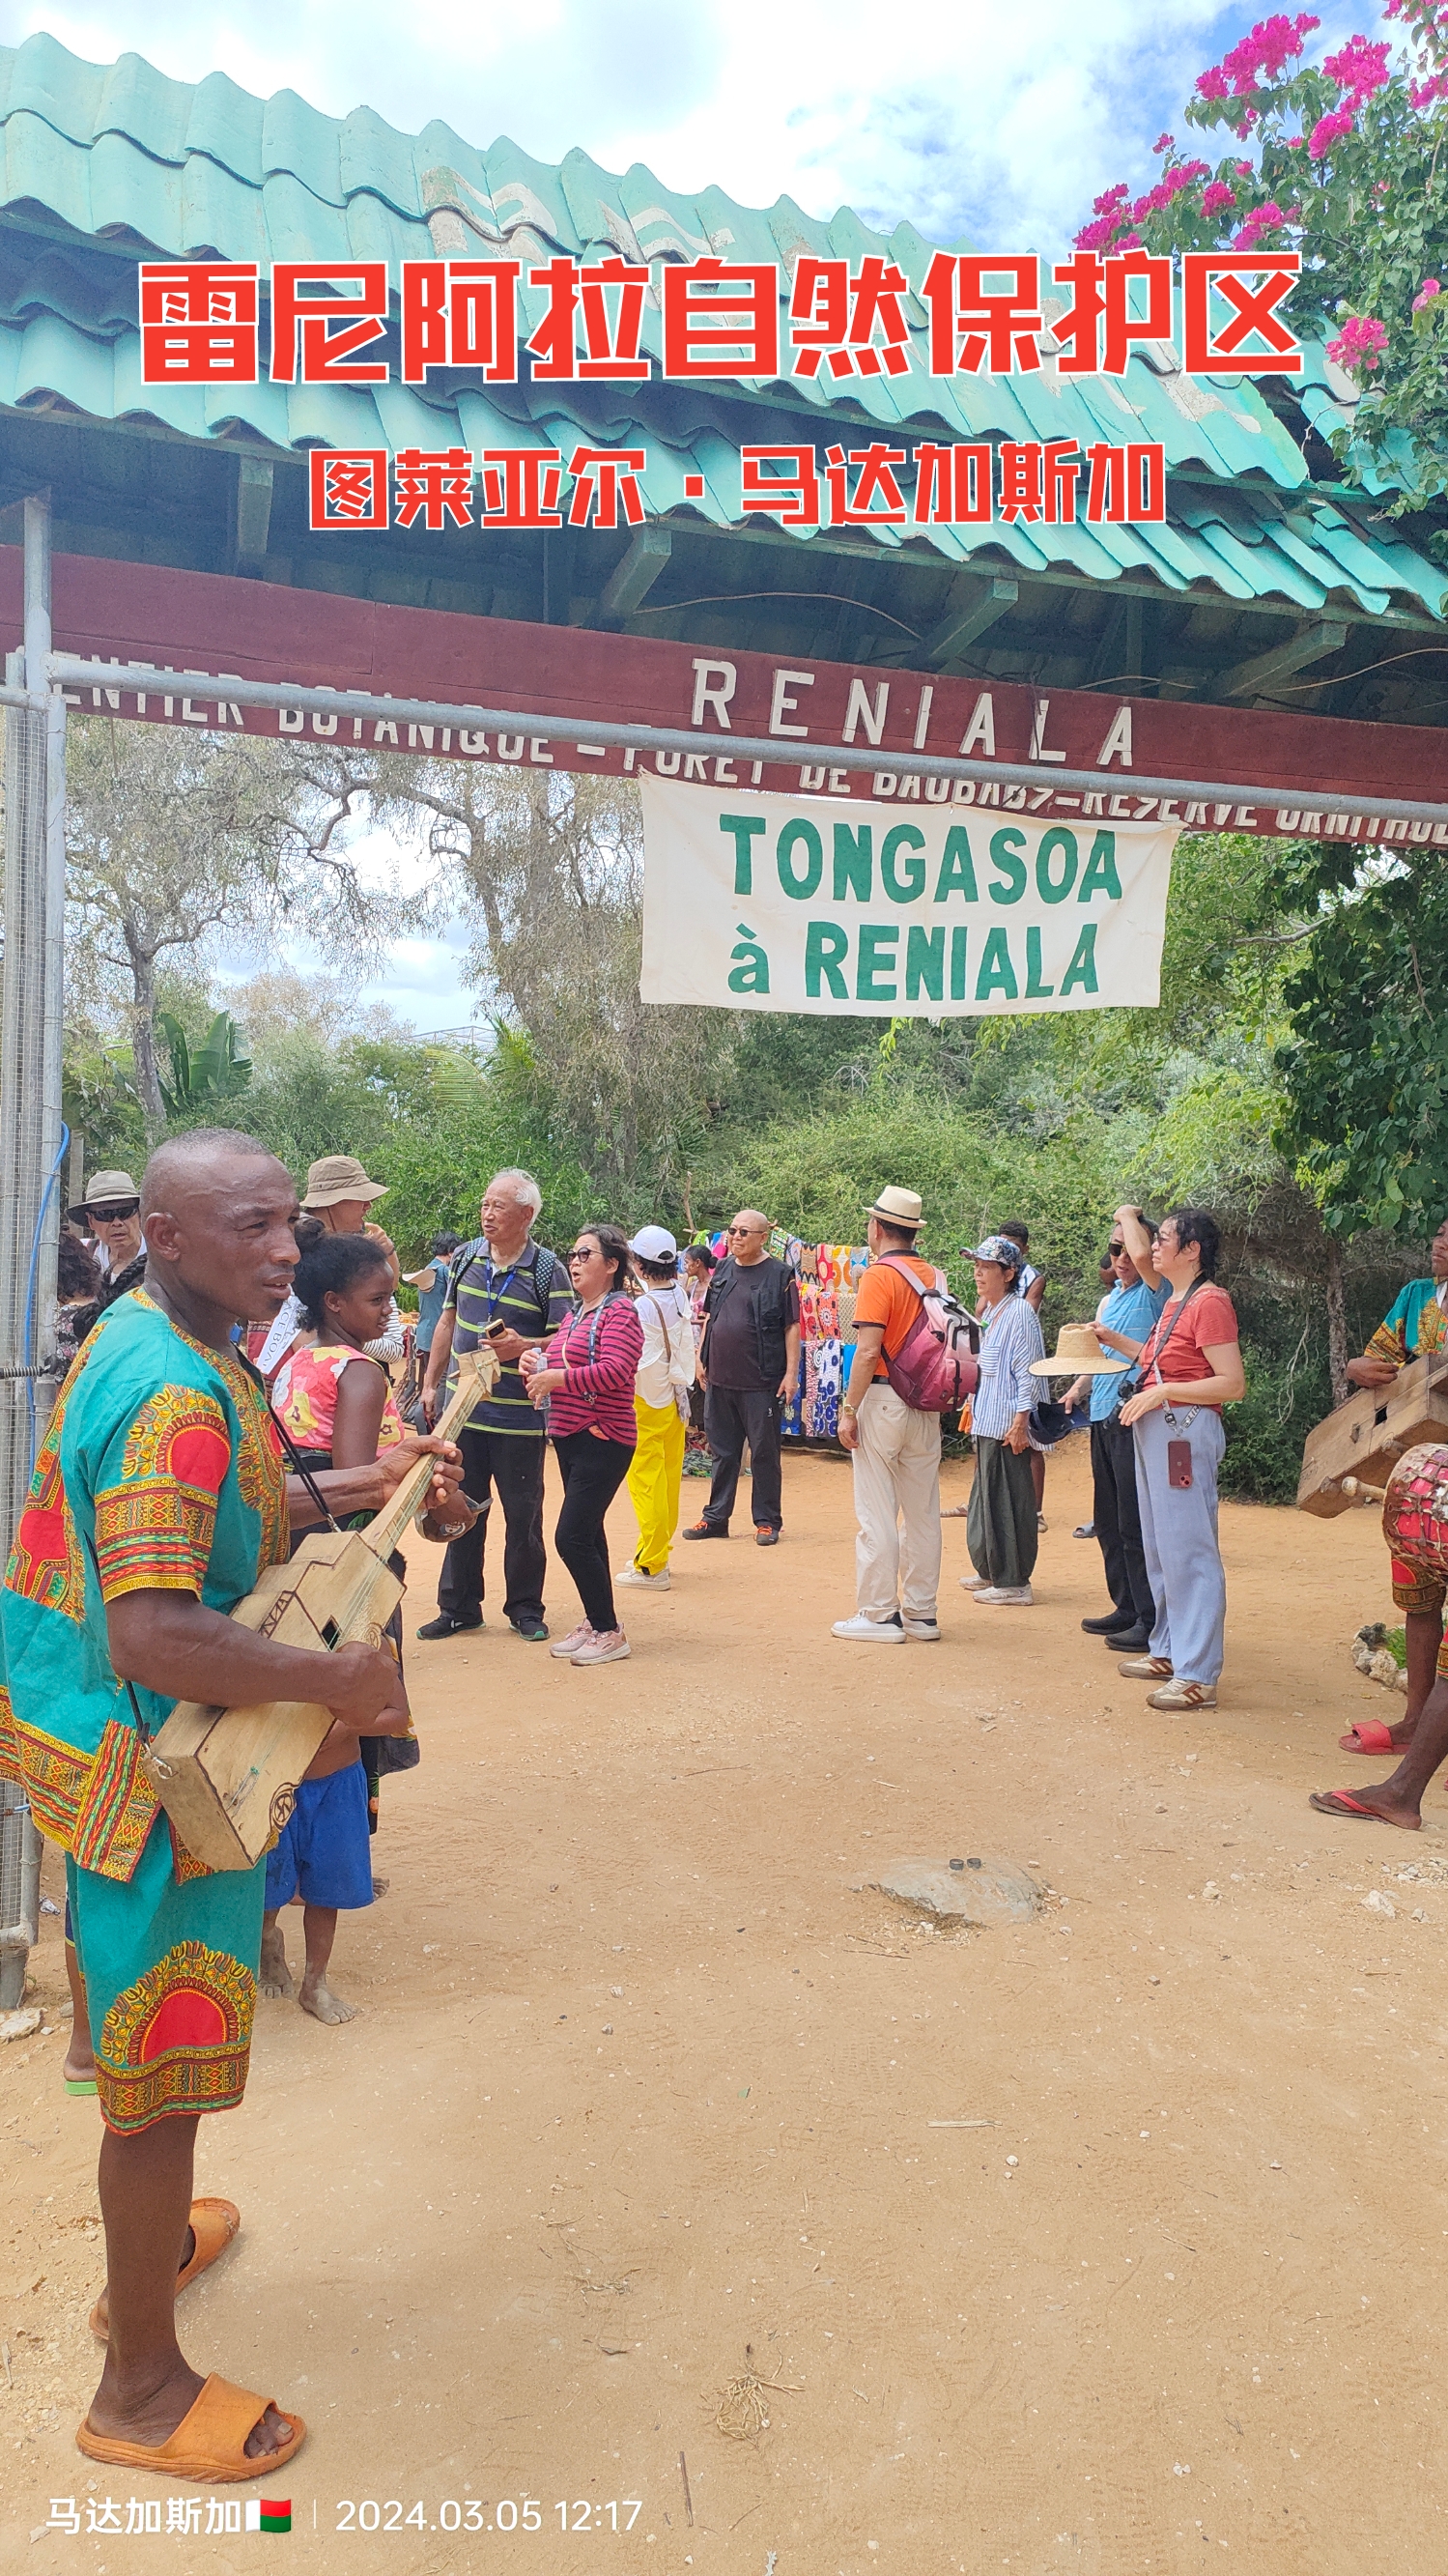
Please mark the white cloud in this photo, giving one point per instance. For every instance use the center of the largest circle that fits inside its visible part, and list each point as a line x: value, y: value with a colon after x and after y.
x: 967, y: 119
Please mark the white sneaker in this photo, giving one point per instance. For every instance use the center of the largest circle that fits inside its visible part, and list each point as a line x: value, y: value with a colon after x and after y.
x: 575, y: 1638
x: 641, y: 1582
x: 927, y: 1631
x: 1017, y: 1595
x: 609, y: 1648
x: 871, y: 1632
x: 975, y: 1583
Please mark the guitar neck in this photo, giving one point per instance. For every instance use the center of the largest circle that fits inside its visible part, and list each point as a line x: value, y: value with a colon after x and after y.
x: 475, y: 1377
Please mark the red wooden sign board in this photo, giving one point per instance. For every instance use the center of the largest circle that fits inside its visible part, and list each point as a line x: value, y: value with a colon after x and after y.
x: 1323, y: 775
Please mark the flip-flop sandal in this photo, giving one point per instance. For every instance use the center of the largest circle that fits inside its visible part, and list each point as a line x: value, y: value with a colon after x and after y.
x: 957, y: 1512
x: 1368, y: 1736
x: 1341, y: 1802
x: 208, y: 2444
x: 79, y: 2084
x: 213, y: 2223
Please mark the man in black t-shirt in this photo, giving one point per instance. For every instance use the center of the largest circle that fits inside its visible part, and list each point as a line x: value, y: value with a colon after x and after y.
x: 749, y: 1365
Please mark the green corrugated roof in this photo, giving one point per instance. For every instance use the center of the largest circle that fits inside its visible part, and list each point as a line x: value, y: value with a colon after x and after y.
x: 118, y: 157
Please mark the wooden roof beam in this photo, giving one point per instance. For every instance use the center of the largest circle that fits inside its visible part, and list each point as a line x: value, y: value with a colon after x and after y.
x: 1254, y: 678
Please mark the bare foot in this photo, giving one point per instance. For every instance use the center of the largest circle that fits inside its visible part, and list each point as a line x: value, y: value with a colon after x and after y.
x: 80, y: 2064
x: 153, y: 2420
x: 318, y: 1999
x: 276, y: 1977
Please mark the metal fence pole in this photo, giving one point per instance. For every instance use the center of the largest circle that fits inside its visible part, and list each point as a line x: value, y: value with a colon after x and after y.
x: 30, y: 1134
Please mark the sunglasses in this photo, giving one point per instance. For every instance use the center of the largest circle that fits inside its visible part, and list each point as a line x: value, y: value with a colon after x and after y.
x: 113, y: 1215
x: 1114, y: 1251
x: 744, y: 1230
x: 582, y: 1252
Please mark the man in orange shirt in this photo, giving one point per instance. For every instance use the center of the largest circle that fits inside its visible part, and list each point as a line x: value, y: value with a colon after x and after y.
x: 895, y: 1450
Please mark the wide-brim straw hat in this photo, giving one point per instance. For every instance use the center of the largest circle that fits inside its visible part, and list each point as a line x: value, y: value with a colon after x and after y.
x: 899, y: 1207
x: 337, y: 1177
x: 1079, y: 1354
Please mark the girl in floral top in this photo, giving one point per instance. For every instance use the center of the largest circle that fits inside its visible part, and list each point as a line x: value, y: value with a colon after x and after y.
x: 335, y: 1401
x: 338, y: 1407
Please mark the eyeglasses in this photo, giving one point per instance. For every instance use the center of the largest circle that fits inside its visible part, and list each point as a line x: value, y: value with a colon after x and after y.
x: 582, y: 1252
x: 745, y: 1230
x: 113, y: 1215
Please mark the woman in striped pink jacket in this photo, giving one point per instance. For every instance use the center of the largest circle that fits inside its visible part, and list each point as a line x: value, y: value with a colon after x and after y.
x: 586, y: 1378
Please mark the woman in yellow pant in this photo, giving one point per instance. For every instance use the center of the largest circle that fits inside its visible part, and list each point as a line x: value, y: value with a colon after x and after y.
x: 661, y: 1395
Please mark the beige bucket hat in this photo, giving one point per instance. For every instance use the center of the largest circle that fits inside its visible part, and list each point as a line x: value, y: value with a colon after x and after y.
x: 105, y: 1189
x: 337, y: 1177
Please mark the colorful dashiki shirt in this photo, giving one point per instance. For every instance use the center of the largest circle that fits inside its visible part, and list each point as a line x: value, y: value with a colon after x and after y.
x: 1414, y: 1325
x: 304, y: 1395
x: 160, y: 1471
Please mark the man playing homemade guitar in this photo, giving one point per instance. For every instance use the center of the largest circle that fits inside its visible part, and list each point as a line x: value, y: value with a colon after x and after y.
x: 159, y: 1496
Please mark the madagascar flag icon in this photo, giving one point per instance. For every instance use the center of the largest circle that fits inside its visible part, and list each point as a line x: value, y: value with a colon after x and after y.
x: 272, y: 2513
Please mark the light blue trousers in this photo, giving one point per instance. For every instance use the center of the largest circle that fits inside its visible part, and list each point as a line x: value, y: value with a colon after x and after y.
x: 1179, y: 1535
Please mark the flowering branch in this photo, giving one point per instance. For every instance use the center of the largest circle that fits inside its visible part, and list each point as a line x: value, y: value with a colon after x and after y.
x: 1337, y: 159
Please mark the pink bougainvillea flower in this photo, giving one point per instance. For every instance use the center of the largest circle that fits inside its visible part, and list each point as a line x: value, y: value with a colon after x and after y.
x: 1359, y: 67
x: 1426, y: 293
x: 1164, y: 143
x: 1215, y: 197
x: 1329, y: 130
x: 1265, y: 51
x: 1262, y: 219
x: 1359, y: 343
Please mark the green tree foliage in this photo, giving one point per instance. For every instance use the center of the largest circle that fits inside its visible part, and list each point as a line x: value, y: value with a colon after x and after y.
x: 204, y: 1086
x: 1364, y: 1082
x: 175, y: 840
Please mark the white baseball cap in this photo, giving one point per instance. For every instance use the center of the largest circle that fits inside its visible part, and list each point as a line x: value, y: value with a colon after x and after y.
x: 654, y: 1243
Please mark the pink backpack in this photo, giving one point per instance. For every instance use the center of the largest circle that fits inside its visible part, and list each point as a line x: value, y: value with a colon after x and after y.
x: 935, y: 1369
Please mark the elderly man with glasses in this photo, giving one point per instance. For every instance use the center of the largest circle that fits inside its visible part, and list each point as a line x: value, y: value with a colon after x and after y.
x: 749, y: 1366
x: 111, y: 1214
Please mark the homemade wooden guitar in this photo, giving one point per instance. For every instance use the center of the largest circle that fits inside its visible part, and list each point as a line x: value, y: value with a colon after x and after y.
x: 1359, y: 1445
x: 227, y: 1777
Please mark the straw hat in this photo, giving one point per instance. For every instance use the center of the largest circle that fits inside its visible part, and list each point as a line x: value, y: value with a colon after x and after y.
x: 899, y: 1207
x: 337, y: 1177
x: 1079, y: 1354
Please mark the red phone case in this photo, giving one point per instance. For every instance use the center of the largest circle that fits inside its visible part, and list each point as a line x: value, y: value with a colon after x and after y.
x: 1179, y: 1465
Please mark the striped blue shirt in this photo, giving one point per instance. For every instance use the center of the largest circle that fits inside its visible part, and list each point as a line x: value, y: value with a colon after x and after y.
x: 1010, y: 1340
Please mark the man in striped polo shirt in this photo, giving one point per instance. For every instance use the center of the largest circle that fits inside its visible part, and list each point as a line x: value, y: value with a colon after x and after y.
x: 512, y: 1293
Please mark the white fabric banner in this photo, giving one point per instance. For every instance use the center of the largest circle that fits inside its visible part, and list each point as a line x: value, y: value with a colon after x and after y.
x: 782, y: 903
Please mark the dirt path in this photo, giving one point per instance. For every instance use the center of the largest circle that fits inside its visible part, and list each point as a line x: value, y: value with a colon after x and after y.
x: 643, y: 2095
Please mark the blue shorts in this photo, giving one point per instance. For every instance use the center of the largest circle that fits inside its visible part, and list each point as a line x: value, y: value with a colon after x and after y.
x: 324, y: 1852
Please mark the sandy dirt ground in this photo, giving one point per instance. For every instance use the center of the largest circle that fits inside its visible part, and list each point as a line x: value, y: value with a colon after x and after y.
x: 1111, y: 2242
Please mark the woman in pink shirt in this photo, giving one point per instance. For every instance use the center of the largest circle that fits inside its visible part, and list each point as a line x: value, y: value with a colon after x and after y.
x: 586, y: 1378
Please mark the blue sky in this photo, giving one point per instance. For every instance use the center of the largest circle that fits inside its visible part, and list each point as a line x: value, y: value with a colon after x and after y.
x: 995, y: 123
